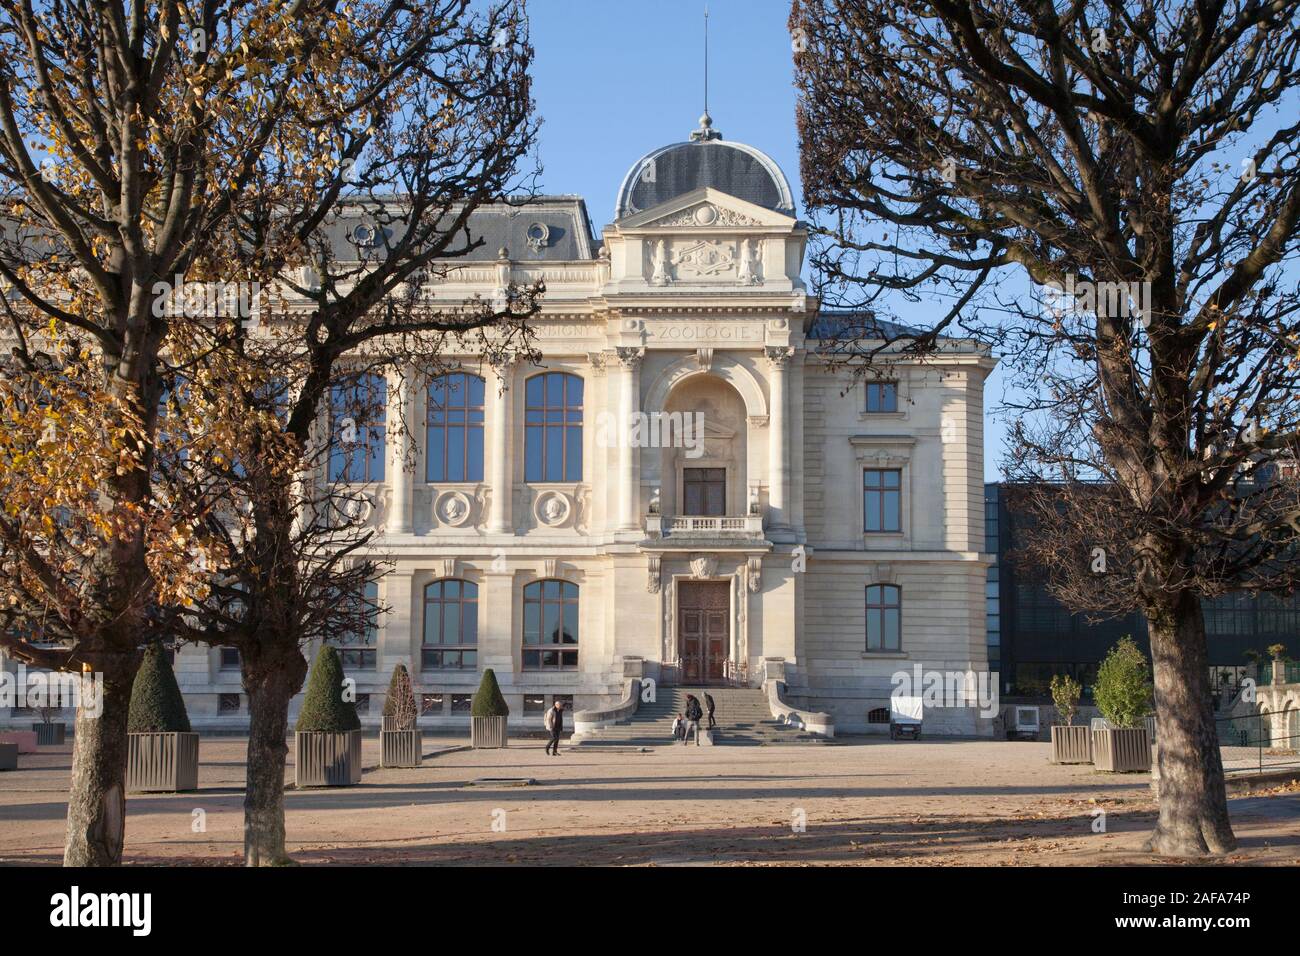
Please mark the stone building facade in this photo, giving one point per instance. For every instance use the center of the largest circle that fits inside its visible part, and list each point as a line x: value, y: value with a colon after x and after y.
x: 767, y: 520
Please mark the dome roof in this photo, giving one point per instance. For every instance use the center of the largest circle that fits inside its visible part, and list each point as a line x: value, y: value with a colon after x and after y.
x: 706, y: 160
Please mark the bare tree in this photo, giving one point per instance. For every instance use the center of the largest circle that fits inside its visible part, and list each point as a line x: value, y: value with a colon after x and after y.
x: 128, y: 134
x: 1136, y: 162
x: 351, y: 257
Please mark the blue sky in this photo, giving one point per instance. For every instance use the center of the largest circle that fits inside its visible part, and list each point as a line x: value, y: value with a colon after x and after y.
x: 616, y: 79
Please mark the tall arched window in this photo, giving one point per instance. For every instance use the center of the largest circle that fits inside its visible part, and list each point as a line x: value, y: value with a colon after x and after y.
x: 358, y: 413
x: 550, y: 625
x: 553, y: 427
x: 884, y: 617
x: 450, y: 626
x: 455, y: 428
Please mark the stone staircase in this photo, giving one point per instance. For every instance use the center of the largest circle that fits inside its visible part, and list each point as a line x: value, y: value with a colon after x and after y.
x: 742, y: 713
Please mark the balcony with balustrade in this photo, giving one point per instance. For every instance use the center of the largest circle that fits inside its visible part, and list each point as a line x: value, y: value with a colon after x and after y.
x: 748, y: 526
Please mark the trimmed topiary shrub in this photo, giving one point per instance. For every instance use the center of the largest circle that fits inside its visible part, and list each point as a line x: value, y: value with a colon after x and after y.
x: 400, y: 702
x: 157, y: 706
x: 488, y: 701
x: 1123, y: 688
x: 323, y: 708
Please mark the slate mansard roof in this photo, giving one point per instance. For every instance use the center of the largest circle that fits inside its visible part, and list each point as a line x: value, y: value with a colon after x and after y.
x: 851, y: 324
x: 542, y: 228
x: 558, y: 228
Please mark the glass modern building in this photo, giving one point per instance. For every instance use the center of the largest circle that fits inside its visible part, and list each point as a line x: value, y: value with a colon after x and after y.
x: 1031, y: 635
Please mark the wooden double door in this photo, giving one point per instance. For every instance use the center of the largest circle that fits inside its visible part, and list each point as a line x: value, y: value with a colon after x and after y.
x: 704, y: 630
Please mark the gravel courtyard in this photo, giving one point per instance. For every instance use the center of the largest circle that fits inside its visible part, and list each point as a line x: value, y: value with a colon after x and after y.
x: 863, y: 801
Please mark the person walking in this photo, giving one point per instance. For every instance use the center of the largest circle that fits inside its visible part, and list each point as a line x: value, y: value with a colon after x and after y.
x: 679, y: 728
x: 708, y: 703
x: 693, y: 715
x: 555, y: 724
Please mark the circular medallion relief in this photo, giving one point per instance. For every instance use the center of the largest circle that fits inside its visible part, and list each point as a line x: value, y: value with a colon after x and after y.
x: 453, y: 508
x: 552, y: 508
x: 706, y: 215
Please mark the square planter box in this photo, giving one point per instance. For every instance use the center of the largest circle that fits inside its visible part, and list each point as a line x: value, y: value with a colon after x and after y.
x: 25, y: 740
x: 1071, y: 744
x: 8, y: 756
x: 401, y: 748
x: 488, y: 732
x: 162, y: 763
x: 1122, y: 750
x: 327, y: 759
x: 50, y: 735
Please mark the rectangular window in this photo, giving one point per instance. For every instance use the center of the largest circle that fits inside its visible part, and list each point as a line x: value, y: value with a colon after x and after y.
x: 704, y: 491
x: 884, y: 617
x: 431, y: 704
x: 450, y: 626
x: 550, y: 625
x: 229, y: 658
x: 882, y: 397
x: 534, y: 703
x: 228, y: 704
x: 460, y: 703
x: 358, y: 416
x: 455, y: 429
x: 357, y: 650
x: 882, y: 505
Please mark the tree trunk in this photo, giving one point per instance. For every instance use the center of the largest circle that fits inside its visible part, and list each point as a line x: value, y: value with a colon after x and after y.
x: 271, y: 677
x: 97, y: 794
x: 1193, y: 804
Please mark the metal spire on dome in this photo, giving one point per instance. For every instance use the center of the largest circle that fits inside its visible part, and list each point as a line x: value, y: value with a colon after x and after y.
x: 706, y: 132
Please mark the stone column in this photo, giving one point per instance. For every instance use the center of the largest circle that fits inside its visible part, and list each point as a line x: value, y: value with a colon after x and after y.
x: 500, y: 427
x: 629, y: 457
x: 401, y: 429
x: 496, y: 631
x: 398, y: 641
x: 796, y: 419
x: 778, y: 494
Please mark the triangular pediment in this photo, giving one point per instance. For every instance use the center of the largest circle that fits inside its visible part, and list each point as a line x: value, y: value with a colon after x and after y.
x: 706, y: 208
